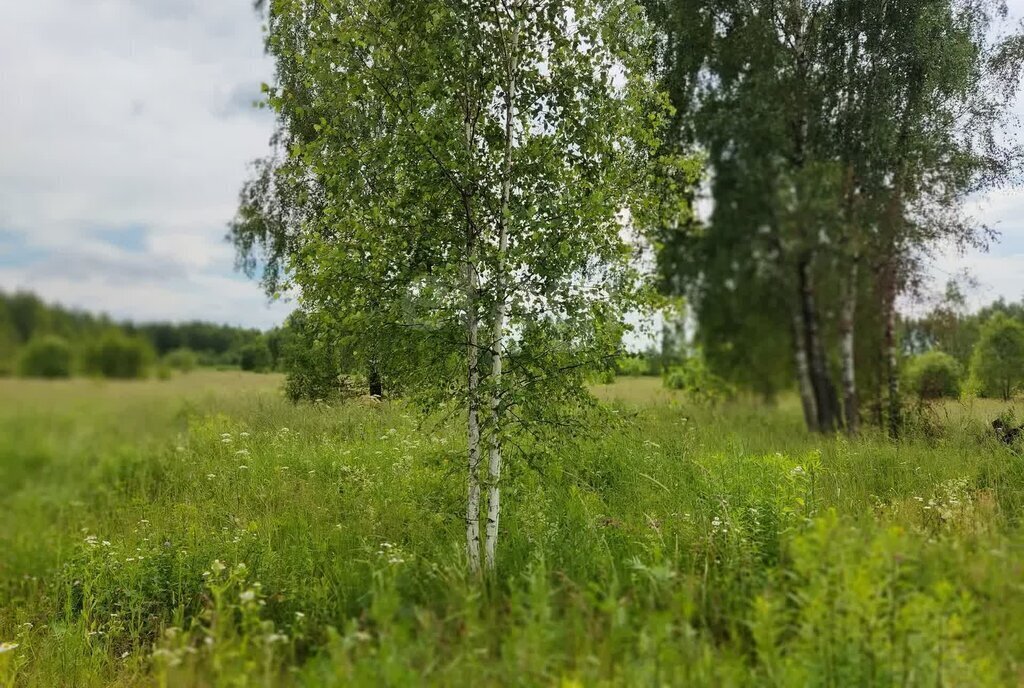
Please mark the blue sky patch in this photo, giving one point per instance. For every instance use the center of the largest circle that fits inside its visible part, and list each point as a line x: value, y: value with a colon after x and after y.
x: 130, y: 238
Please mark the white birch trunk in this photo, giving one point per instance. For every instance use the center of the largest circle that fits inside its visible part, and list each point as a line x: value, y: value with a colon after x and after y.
x: 847, y: 319
x: 473, y: 417
x: 498, y: 336
x: 473, y: 385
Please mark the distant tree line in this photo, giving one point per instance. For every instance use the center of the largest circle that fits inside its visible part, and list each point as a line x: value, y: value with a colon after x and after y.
x: 38, y: 339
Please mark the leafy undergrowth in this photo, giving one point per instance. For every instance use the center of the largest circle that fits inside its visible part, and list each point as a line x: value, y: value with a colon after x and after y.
x: 232, y: 539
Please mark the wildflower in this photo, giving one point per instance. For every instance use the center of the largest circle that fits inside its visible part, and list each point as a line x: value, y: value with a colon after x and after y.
x: 797, y: 470
x: 248, y: 595
x: 7, y: 647
x: 217, y: 566
x: 226, y: 440
x: 242, y: 452
x: 299, y: 616
x: 243, y: 434
x: 243, y: 467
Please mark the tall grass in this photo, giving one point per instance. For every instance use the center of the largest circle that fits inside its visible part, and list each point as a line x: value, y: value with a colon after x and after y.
x: 204, y: 532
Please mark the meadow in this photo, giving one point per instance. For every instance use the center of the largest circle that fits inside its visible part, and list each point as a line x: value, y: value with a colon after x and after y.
x: 203, y: 531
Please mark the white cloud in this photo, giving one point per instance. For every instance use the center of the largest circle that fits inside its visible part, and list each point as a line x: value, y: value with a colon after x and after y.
x: 130, y: 113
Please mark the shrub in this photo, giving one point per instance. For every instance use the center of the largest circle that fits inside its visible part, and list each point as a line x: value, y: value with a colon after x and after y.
x: 118, y: 356
x: 997, y: 363
x: 632, y: 366
x: 698, y: 382
x: 48, y: 356
x: 312, y: 359
x: 934, y: 375
x: 183, y: 359
x: 255, y: 357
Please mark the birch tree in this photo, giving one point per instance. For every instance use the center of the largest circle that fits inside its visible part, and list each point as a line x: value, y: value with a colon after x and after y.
x: 843, y: 139
x: 463, y: 170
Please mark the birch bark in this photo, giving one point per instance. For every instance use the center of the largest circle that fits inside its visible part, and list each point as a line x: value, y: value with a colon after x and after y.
x: 501, y: 284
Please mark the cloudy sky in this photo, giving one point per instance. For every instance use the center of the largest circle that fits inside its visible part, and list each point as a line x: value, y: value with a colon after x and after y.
x: 125, y: 131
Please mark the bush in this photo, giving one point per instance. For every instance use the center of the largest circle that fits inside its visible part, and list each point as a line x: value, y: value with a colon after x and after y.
x: 934, y: 375
x: 633, y: 366
x: 255, y: 357
x: 118, y: 356
x: 183, y: 359
x: 48, y: 356
x: 698, y: 382
x: 312, y: 360
x: 997, y: 363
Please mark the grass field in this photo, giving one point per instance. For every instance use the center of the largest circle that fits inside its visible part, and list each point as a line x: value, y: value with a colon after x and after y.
x: 204, y: 532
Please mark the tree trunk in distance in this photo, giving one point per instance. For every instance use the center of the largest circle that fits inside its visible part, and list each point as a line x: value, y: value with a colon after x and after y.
x: 847, y: 349
x: 375, y: 383
x: 821, y: 379
x: 803, y: 373
x: 892, y: 354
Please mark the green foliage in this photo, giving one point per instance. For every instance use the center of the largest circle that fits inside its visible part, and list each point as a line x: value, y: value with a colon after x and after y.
x: 312, y: 360
x: 633, y: 365
x: 699, y: 383
x: 934, y: 375
x: 997, y: 364
x: 255, y: 357
x: 387, y: 182
x: 118, y: 356
x: 182, y: 359
x: 48, y: 356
